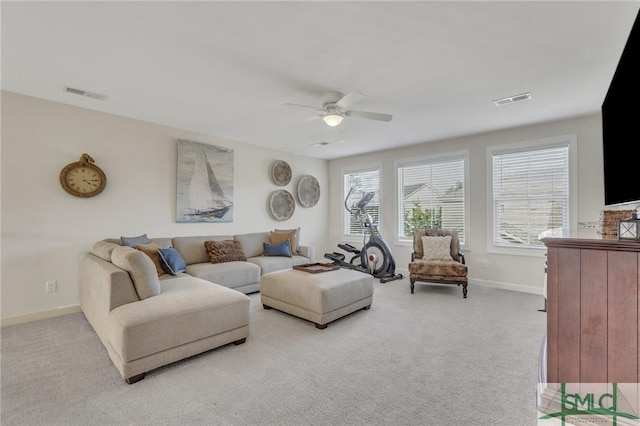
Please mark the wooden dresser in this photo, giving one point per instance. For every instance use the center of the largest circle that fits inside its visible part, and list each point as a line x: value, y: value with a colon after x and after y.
x: 592, y: 308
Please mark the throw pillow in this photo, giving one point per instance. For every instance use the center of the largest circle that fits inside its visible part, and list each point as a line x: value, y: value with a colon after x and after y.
x: 437, y: 248
x: 224, y: 251
x: 151, y: 250
x: 296, y: 247
x: 140, y: 268
x: 134, y: 241
x: 281, y: 236
x: 171, y: 261
x: 280, y: 249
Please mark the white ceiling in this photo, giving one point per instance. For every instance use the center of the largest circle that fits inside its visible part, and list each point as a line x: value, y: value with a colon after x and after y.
x: 226, y: 68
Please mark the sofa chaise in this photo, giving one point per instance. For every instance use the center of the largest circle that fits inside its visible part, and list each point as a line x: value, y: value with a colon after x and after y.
x: 147, y: 318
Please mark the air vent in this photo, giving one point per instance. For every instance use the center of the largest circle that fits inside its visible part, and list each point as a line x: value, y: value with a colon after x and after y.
x: 81, y: 92
x: 512, y: 99
x: 323, y: 143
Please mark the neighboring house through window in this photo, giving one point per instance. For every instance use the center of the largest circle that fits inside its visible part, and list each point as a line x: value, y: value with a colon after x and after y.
x: 531, y: 190
x: 431, y: 194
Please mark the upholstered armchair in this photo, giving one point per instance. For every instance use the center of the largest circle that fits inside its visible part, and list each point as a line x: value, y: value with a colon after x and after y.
x: 436, y: 258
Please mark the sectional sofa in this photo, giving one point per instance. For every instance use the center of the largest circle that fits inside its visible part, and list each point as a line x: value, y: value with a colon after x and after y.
x: 156, y: 301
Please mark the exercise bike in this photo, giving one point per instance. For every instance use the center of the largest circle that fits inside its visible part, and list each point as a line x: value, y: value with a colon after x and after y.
x: 375, y: 257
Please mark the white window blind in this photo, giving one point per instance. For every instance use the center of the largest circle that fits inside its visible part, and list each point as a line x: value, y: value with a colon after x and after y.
x: 530, y: 195
x: 362, y: 180
x: 431, y: 195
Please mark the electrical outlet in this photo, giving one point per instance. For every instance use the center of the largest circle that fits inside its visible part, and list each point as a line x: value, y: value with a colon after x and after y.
x: 484, y: 263
x: 51, y: 286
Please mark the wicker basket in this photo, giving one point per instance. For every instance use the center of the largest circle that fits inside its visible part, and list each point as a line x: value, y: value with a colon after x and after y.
x: 608, y: 221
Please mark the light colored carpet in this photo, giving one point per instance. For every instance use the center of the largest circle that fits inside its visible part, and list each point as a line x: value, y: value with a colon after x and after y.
x: 431, y: 358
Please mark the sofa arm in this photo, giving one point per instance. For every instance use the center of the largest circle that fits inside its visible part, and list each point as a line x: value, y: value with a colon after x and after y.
x: 103, y: 287
x: 307, y: 251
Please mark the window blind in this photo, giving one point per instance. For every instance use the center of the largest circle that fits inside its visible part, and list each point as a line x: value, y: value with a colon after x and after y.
x: 431, y: 194
x: 530, y: 195
x: 361, y: 181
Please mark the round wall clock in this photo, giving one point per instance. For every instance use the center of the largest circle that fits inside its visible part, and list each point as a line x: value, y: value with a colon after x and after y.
x: 83, y: 178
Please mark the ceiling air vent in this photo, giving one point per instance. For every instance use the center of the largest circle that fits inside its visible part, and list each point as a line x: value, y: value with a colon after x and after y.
x: 85, y: 93
x: 323, y: 143
x: 512, y: 99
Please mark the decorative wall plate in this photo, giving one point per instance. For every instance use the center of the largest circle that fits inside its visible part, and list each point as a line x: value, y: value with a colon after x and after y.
x: 282, y: 204
x: 281, y: 173
x: 308, y: 191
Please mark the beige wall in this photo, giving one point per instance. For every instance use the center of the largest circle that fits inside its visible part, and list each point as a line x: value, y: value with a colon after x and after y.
x: 45, y: 230
x: 516, y: 272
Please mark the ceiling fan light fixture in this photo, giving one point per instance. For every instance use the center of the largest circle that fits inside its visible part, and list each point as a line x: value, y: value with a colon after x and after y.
x: 332, y: 119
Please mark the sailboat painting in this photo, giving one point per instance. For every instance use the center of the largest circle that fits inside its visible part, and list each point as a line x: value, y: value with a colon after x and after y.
x: 205, y: 183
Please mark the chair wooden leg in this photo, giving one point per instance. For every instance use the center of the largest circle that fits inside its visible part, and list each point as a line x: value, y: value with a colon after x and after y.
x: 464, y: 290
x: 412, y: 285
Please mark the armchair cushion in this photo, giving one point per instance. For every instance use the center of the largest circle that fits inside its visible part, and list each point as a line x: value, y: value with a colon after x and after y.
x: 446, y: 270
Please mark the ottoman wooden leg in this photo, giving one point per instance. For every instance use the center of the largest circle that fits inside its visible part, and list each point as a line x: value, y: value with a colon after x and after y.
x: 266, y: 307
x: 366, y: 308
x: 321, y: 326
x: 136, y: 378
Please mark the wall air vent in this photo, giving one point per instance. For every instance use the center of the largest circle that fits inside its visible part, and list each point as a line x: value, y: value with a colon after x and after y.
x: 81, y: 92
x: 512, y: 99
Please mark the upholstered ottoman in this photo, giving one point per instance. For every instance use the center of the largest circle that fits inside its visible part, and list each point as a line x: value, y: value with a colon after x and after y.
x: 319, y: 298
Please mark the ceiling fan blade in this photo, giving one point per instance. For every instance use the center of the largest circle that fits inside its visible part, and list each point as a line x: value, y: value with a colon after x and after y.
x: 369, y: 115
x: 349, y: 99
x: 304, y: 106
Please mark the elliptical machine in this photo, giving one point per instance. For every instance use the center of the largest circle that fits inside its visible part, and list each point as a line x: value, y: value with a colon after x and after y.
x: 375, y: 257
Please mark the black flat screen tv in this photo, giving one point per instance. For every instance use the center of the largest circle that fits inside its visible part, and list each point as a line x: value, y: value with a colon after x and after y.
x: 621, y: 126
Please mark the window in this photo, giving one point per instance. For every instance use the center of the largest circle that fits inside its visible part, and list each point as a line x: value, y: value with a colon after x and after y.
x: 431, y: 194
x: 358, y: 182
x: 530, y: 192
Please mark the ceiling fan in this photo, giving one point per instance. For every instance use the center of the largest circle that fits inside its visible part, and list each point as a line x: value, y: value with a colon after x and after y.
x: 335, y: 107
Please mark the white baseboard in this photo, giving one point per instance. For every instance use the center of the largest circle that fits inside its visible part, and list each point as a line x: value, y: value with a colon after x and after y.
x: 64, y: 310
x: 507, y: 286
x: 492, y: 284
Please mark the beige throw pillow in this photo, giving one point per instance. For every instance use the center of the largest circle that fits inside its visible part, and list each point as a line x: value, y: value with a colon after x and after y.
x: 151, y: 250
x: 278, y: 237
x: 437, y: 248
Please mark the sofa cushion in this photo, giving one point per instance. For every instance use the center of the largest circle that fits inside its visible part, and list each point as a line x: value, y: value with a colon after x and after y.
x: 152, y: 326
x: 140, y: 268
x: 192, y: 248
x: 103, y: 249
x: 171, y: 261
x: 134, y: 241
x: 224, y: 251
x: 436, y: 248
x: 276, y: 263
x: 297, y: 231
x: 252, y: 242
x: 280, y: 249
x: 228, y: 274
x: 151, y: 250
x: 280, y: 236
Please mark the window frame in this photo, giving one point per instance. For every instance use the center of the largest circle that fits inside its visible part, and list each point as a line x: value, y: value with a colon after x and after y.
x: 569, y: 141
x: 433, y: 158
x: 344, y: 219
